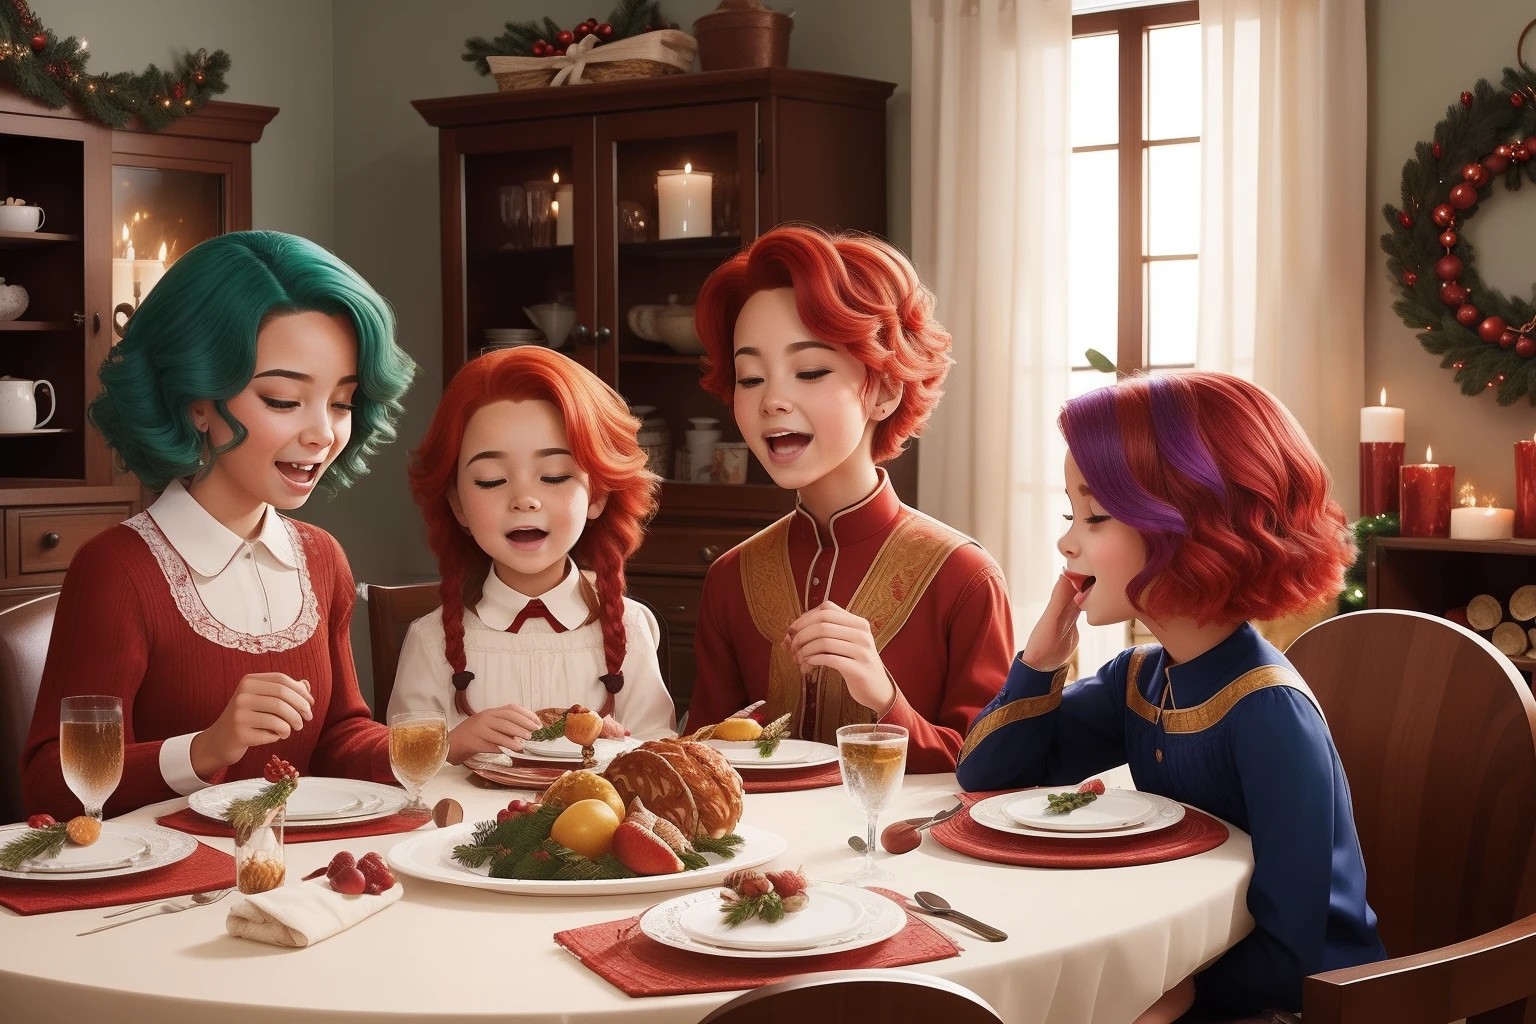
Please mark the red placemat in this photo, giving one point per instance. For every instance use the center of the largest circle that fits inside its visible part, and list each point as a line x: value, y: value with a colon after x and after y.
x: 204, y: 870
x: 1196, y: 833
x: 632, y: 961
x: 784, y: 780
x: 189, y: 821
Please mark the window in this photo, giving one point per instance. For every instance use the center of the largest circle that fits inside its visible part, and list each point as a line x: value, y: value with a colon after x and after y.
x: 1135, y: 182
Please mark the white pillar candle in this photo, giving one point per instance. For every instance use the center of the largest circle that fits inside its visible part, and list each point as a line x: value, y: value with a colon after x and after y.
x: 685, y: 203
x: 149, y: 272
x: 1477, y: 522
x: 565, y: 215
x: 122, y: 281
x: 1381, y: 423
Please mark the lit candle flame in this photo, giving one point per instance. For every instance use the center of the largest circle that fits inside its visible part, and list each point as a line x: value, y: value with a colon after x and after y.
x: 557, y: 177
x: 1383, y: 396
x: 162, y: 252
x: 554, y: 207
x: 125, y: 231
x: 1429, y: 454
x: 687, y: 168
x: 1467, y: 496
x: 1490, y: 501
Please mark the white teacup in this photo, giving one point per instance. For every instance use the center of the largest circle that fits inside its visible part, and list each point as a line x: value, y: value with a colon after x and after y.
x: 21, y: 218
x: 18, y: 404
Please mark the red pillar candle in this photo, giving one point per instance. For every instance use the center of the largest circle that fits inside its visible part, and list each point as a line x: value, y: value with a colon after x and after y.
x: 1381, y: 457
x: 1426, y: 499
x: 1525, y: 488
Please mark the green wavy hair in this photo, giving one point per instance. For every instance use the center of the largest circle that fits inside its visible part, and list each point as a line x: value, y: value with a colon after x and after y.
x: 194, y: 338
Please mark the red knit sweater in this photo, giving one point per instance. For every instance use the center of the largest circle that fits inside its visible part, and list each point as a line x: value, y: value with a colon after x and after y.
x: 120, y: 631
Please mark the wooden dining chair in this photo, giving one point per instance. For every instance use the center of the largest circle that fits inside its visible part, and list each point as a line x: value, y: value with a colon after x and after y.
x: 25, y: 629
x: 856, y: 997
x: 391, y: 610
x: 1437, y: 734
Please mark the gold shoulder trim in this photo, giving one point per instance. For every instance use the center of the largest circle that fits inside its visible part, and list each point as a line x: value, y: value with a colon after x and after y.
x: 1203, y: 716
x: 1133, y: 698
x: 1017, y: 711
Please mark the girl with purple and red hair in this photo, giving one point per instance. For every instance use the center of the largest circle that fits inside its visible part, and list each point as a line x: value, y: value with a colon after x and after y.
x: 1198, y: 505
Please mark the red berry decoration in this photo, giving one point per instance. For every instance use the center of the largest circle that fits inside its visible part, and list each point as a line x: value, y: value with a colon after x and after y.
x: 1410, y: 278
x: 1490, y: 329
x: 1521, y: 151
x: 604, y: 31
x: 1443, y: 215
x: 40, y: 821
x: 565, y: 38
x: 1466, y: 99
x: 1468, y: 316
x: 1448, y: 238
x: 1453, y: 293
x: 1436, y: 151
x: 1525, y: 347
x: 502, y: 815
x: 1448, y: 268
x: 1507, y: 339
x: 581, y: 31
x: 349, y: 882
x: 1403, y: 219
x: 339, y: 863
x: 1517, y: 98
x: 38, y: 42
x: 559, y: 52
x: 1475, y: 175
x: 1463, y: 196
x: 1498, y: 163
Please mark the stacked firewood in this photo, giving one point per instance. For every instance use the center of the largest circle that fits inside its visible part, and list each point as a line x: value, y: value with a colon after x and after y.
x: 1510, y: 627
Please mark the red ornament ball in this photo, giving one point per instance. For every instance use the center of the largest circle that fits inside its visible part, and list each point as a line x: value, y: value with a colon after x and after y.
x: 1448, y: 238
x: 1530, y: 145
x: 1467, y: 316
x: 1410, y: 278
x: 39, y: 41
x: 1403, y: 219
x: 1448, y: 267
x: 1517, y: 99
x: 541, y: 49
x: 565, y: 38
x: 1490, y: 329
x: 1507, y: 150
x: 582, y: 31
x: 1453, y: 293
x: 1466, y: 99
x: 1521, y: 151
x: 1507, y: 338
x: 1525, y: 347
x: 1463, y: 196
x: 1497, y: 163
x: 1436, y: 151
x: 604, y: 31
x: 1475, y: 175
x: 1443, y: 215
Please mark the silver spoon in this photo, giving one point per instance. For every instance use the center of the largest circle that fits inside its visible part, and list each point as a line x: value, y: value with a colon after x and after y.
x: 920, y: 823
x: 936, y: 904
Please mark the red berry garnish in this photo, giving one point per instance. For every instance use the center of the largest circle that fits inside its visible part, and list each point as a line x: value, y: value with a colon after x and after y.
x: 575, y: 709
x: 518, y: 806
x: 349, y: 881
x: 340, y: 862
x: 371, y: 857
x: 565, y: 38
x: 372, y: 889
x: 1094, y: 786
x: 502, y: 815
x: 560, y: 52
x: 40, y: 821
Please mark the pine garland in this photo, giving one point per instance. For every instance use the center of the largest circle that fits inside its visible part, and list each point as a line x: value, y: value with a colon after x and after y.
x: 1473, y: 130
x: 34, y: 844
x: 1352, y: 597
x: 52, y: 71
x: 630, y: 18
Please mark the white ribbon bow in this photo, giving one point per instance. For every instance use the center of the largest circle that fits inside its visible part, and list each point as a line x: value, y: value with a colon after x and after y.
x: 574, y: 61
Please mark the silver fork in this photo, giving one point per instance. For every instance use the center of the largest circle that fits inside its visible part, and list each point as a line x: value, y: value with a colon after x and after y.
x: 175, y: 906
x: 198, y: 898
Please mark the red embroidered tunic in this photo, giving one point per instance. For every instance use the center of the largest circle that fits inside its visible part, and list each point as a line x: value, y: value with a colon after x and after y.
x: 949, y: 659
x: 130, y: 624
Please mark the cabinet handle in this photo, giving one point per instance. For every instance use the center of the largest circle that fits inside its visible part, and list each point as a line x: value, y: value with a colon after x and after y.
x: 581, y: 334
x: 603, y: 335
x: 50, y: 539
x: 95, y: 323
x: 708, y: 553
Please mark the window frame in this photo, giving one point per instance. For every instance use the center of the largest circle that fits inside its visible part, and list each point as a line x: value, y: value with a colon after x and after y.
x: 1133, y: 353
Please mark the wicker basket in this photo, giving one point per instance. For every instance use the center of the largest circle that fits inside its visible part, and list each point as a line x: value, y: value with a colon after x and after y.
x: 664, y: 52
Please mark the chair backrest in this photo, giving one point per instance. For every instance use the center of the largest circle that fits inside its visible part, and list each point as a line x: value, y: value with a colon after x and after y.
x: 1437, y: 734
x: 846, y: 997
x: 24, y: 632
x: 391, y: 610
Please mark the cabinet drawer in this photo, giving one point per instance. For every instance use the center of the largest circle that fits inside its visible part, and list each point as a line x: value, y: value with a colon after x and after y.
x: 677, y: 602
x: 47, y: 538
x: 678, y: 545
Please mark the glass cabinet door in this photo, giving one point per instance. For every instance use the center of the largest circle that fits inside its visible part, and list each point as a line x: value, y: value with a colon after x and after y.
x: 526, y: 239
x: 158, y: 213
x: 678, y: 196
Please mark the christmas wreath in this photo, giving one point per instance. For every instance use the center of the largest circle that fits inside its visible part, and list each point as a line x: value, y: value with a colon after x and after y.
x: 52, y: 71
x: 1488, y: 339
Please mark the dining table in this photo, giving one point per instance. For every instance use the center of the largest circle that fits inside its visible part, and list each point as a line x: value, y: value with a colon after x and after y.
x: 1084, y: 946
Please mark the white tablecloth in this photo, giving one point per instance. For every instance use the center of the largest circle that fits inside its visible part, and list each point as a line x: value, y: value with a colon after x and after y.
x: 1084, y: 946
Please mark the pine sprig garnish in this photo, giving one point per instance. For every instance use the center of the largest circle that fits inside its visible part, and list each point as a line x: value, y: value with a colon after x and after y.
x: 553, y: 731
x: 473, y: 856
x: 737, y: 909
x: 721, y: 846
x: 773, y: 734
x: 34, y: 844
x: 692, y: 860
x: 249, y: 814
x: 1066, y: 803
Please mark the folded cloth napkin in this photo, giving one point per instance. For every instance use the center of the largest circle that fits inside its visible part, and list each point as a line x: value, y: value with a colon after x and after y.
x: 303, y: 914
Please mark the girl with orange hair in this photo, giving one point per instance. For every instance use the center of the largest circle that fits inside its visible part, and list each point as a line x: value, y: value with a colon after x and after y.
x: 1198, y: 504
x: 535, y: 493
x: 855, y: 607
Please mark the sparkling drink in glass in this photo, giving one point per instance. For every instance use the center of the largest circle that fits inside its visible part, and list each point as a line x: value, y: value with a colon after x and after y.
x: 91, y: 748
x: 418, y: 746
x: 873, y: 759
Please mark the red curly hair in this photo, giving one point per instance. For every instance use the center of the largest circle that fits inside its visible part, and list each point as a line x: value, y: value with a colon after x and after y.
x: 604, y: 442
x: 1228, y: 494
x: 850, y: 289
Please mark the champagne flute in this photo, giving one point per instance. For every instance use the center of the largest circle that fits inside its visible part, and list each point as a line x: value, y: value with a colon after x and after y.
x: 418, y: 746
x: 873, y: 759
x: 91, y: 748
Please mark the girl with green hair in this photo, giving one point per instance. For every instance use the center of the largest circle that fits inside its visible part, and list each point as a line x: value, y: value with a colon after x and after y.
x: 260, y: 365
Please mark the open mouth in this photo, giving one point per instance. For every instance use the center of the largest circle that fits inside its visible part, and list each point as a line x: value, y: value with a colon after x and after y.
x: 301, y: 473
x: 1082, y: 582
x: 527, y: 538
x: 784, y: 445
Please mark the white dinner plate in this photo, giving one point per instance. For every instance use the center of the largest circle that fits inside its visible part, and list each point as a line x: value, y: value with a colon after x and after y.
x: 429, y: 855
x: 317, y: 801
x: 831, y: 913
x: 990, y: 813
x: 1114, y: 810
x: 562, y: 751
x: 791, y: 753
x: 882, y: 919
x: 123, y: 849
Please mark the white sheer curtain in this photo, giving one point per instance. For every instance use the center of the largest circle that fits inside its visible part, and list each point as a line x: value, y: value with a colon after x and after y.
x: 990, y: 158
x: 1282, y: 267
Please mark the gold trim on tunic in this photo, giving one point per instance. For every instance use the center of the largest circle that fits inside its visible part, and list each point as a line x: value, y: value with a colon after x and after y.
x: 1015, y: 711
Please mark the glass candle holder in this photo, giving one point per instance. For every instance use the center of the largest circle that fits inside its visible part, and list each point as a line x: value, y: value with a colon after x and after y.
x: 259, y: 863
x: 1380, y: 489
x: 1426, y: 500
x: 1525, y: 489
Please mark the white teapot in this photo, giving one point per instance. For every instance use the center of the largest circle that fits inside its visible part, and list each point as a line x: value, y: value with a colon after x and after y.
x: 672, y: 325
x: 18, y: 404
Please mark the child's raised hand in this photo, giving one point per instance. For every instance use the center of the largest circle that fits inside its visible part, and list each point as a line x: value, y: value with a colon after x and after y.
x: 835, y: 637
x: 266, y: 707
x: 489, y: 730
x: 1055, y: 636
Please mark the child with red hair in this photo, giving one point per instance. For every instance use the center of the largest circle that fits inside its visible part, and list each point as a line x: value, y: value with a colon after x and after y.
x: 535, y: 493
x: 855, y: 607
x: 1198, y: 504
